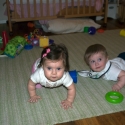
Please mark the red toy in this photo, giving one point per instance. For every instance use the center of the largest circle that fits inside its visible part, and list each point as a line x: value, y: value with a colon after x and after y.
x: 30, y: 24
x: 100, y: 30
x: 5, y: 39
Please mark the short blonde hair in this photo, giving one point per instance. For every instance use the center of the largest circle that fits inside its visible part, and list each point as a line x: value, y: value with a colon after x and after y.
x: 95, y: 48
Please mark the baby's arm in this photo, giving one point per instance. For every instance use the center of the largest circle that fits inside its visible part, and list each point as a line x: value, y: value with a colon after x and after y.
x: 32, y: 92
x: 70, y: 97
x: 121, y: 82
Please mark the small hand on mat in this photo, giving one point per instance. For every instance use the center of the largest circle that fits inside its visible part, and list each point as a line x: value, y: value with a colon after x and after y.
x: 34, y: 98
x: 66, y: 104
x: 116, y: 87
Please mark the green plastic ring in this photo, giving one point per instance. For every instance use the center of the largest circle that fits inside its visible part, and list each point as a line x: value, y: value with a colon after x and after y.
x: 114, y: 97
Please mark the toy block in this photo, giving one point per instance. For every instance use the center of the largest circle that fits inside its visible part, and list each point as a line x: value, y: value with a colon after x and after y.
x: 43, y: 41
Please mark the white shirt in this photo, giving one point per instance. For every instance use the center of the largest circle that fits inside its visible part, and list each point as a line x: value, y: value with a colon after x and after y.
x: 117, y: 65
x: 111, y: 71
x: 39, y: 77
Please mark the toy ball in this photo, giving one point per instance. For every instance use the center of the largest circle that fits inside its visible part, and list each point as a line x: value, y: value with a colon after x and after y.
x: 92, y: 30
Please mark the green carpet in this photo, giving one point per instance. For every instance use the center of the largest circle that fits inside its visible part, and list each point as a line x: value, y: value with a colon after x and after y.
x: 89, y: 102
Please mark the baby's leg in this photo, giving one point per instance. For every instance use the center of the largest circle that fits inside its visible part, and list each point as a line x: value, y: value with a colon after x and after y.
x: 122, y: 55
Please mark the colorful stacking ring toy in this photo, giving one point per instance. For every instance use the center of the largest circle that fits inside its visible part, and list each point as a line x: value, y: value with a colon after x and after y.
x: 114, y: 97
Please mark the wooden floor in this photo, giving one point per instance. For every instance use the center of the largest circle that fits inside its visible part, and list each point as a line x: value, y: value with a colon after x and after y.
x: 109, y: 119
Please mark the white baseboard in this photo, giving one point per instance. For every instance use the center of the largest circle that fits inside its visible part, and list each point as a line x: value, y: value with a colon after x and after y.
x: 2, y: 21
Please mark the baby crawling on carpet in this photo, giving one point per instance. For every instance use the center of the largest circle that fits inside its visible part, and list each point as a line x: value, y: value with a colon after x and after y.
x: 96, y: 57
x: 51, y: 70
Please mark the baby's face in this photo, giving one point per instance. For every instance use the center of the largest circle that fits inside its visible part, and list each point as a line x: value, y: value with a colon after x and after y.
x: 98, y: 61
x: 53, y: 70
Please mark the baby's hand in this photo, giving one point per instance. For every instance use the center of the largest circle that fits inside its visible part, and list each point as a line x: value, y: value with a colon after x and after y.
x: 34, y: 98
x: 66, y: 104
x: 116, y: 87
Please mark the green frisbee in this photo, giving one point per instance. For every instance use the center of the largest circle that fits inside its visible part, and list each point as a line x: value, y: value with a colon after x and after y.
x: 114, y: 97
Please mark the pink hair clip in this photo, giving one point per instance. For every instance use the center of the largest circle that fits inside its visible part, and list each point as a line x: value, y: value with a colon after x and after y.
x: 47, y: 51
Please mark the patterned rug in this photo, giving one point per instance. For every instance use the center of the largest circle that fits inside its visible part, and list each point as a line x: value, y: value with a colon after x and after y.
x: 90, y: 97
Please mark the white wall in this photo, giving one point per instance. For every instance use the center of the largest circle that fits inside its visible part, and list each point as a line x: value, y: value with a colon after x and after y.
x: 3, y: 18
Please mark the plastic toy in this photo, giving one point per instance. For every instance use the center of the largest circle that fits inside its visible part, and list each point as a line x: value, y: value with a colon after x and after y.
x: 114, y: 97
x: 35, y: 42
x: 92, y: 30
x: 73, y: 74
x: 30, y: 24
x: 1, y: 39
x: 1, y: 52
x: 86, y: 29
x: 100, y: 30
x: 5, y: 39
x: 33, y: 38
x: 122, y: 32
x: 43, y: 41
x: 28, y: 46
x: 51, y: 41
x: 15, y: 46
x: 37, y: 32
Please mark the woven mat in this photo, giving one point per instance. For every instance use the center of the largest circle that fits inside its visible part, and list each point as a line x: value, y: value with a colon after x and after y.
x: 90, y: 97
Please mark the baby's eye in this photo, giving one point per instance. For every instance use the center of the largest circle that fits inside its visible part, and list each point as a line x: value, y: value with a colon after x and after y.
x: 49, y: 68
x: 92, y: 61
x: 58, y: 68
x: 99, y: 59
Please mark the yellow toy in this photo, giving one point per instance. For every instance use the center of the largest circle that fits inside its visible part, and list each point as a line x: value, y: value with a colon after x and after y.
x: 43, y: 41
x: 122, y: 32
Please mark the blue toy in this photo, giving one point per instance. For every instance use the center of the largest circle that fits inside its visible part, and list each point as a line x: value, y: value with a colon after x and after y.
x: 51, y: 41
x: 92, y: 30
x: 28, y: 46
x: 73, y: 74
